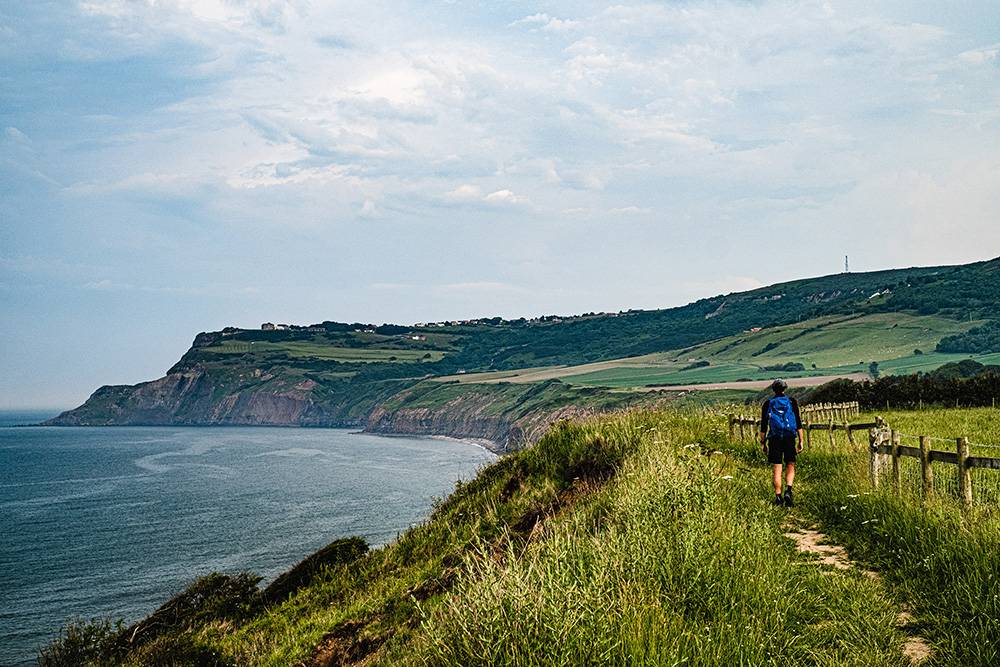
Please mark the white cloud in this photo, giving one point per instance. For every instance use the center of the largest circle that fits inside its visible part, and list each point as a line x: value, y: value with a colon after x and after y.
x: 546, y: 23
x: 727, y: 120
x: 479, y: 287
x: 464, y: 192
x: 980, y: 56
x: 504, y: 197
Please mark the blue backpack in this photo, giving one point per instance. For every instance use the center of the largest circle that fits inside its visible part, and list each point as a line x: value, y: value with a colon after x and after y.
x: 782, y: 420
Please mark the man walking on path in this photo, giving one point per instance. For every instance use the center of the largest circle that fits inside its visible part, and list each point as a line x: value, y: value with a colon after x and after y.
x: 781, y: 438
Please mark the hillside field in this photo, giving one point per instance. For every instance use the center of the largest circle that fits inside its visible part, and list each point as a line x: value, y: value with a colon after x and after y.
x: 322, y: 350
x: 841, y: 345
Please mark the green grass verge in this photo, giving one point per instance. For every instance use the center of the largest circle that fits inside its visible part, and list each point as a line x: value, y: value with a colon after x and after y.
x: 681, y: 560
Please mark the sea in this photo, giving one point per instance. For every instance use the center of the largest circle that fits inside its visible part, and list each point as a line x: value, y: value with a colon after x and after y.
x: 111, y: 522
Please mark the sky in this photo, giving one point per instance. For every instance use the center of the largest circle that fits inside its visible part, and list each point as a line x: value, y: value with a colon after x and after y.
x: 176, y: 166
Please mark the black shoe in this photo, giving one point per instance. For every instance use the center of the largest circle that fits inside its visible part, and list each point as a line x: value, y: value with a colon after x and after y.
x: 778, y: 500
x: 788, y: 498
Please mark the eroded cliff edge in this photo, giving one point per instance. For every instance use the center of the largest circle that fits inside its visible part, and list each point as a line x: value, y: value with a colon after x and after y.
x: 508, y: 415
x: 503, y: 415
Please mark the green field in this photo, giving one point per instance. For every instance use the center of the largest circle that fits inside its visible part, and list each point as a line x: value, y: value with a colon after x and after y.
x: 832, y: 341
x: 825, y: 346
x: 318, y: 350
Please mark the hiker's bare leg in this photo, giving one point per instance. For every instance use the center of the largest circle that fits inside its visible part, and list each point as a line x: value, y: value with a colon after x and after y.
x: 789, y: 473
x: 777, y: 479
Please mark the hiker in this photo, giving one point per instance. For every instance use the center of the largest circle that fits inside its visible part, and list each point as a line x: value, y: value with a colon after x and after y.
x: 781, y: 438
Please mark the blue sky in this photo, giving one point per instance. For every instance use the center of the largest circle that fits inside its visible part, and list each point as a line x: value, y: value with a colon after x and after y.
x: 174, y: 166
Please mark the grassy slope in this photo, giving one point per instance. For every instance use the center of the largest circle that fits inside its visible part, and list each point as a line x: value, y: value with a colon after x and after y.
x: 835, y: 345
x: 319, y: 349
x: 513, y: 400
x: 679, y: 561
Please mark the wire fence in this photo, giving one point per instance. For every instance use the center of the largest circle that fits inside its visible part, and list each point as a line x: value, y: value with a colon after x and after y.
x: 926, y: 467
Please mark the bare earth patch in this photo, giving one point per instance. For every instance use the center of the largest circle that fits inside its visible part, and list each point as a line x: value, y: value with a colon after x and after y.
x: 814, y: 543
x: 818, y: 545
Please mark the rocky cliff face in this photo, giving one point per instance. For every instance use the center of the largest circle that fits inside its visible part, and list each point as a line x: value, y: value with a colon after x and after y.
x: 507, y: 416
x: 468, y: 419
x: 504, y: 417
x: 199, y: 397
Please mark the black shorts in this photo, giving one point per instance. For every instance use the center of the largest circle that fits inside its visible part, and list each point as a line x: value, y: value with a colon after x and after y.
x: 781, y: 449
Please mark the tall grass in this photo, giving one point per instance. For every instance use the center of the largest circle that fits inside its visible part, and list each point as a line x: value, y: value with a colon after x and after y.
x: 680, y: 561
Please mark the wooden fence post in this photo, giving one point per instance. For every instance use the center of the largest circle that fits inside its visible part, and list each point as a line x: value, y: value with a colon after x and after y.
x: 925, y: 466
x: 850, y: 435
x: 809, y: 442
x: 873, y: 442
x: 964, y: 475
x: 896, y: 482
x: 742, y: 437
x: 833, y: 440
x: 732, y: 428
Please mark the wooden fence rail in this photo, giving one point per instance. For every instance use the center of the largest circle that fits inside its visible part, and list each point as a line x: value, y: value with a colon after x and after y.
x: 839, y: 412
x: 886, y: 452
x: 828, y: 417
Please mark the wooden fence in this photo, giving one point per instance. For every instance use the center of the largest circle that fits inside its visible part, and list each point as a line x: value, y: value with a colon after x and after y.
x: 829, y: 417
x: 886, y: 454
x: 824, y: 412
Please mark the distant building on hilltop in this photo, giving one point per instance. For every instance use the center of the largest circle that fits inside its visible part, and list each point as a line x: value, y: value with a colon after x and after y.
x: 268, y: 326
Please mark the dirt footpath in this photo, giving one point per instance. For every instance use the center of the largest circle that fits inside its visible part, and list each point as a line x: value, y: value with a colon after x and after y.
x: 824, y: 552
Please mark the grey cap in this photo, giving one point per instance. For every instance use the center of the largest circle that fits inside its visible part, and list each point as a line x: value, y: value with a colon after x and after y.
x: 779, y: 385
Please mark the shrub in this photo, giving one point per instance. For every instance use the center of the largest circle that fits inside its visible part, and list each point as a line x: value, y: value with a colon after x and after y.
x: 790, y: 367
x: 180, y: 651
x: 82, y: 642
x: 339, y: 552
x: 978, y: 340
x: 214, y: 597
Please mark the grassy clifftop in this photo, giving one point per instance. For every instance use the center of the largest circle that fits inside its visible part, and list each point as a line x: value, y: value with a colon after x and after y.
x: 642, y: 538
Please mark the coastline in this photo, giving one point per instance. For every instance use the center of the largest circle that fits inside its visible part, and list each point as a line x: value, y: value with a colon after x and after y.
x: 486, y: 444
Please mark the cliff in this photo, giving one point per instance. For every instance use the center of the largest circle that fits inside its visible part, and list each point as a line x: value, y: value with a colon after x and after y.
x: 503, y: 415
x: 506, y: 415
x: 207, y: 397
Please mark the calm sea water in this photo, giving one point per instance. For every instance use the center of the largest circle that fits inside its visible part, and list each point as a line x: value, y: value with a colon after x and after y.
x: 113, y: 521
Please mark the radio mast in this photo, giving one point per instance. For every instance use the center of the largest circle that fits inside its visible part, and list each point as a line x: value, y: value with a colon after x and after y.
x: 847, y: 265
